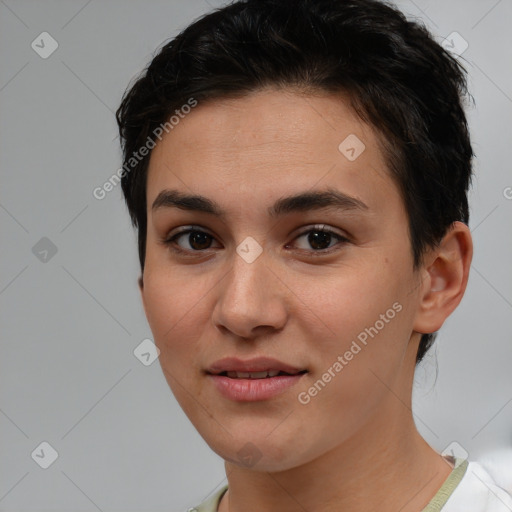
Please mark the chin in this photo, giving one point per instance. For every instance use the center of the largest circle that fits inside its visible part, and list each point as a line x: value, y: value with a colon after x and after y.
x: 260, y: 454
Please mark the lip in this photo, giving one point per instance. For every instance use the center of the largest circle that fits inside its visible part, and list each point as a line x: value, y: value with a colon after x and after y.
x: 253, y: 390
x: 257, y: 364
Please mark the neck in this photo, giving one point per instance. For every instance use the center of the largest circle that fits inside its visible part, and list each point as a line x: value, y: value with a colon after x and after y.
x: 385, y: 466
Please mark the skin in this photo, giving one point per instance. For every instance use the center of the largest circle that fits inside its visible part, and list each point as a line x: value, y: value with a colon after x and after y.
x: 354, y: 446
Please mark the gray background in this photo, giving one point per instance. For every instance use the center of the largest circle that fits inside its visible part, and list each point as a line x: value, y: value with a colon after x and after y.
x: 70, y: 324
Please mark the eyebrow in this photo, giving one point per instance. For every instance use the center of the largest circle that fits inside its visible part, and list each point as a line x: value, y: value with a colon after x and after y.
x: 302, y: 202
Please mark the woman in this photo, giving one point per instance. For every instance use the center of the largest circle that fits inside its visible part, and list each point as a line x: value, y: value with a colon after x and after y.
x: 298, y: 175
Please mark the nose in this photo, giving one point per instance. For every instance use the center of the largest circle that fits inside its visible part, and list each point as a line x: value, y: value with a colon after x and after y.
x: 252, y: 300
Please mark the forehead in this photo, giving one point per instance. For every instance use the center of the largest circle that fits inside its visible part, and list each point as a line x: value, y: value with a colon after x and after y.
x: 269, y: 143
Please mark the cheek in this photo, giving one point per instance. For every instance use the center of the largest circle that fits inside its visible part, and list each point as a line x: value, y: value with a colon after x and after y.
x: 341, y: 304
x: 171, y: 309
x: 352, y: 370
x: 360, y: 315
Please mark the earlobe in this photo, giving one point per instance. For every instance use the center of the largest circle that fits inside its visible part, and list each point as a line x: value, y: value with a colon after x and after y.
x: 445, y: 279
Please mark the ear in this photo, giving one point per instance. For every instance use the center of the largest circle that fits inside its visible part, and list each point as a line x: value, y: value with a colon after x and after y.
x: 444, y: 279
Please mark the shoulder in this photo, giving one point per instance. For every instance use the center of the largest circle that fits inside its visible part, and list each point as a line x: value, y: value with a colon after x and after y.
x: 478, y: 492
x: 212, y: 503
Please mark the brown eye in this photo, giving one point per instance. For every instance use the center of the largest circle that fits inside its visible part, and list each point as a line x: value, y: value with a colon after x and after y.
x: 197, y: 240
x: 319, y: 238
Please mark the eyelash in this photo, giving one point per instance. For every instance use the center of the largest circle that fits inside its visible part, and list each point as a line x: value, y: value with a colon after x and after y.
x: 170, y: 241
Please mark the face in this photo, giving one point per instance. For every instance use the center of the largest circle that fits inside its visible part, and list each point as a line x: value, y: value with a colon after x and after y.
x: 320, y: 288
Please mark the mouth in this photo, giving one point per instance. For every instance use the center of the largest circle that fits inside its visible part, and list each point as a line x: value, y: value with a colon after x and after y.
x: 255, y: 368
x: 257, y: 375
x: 252, y: 380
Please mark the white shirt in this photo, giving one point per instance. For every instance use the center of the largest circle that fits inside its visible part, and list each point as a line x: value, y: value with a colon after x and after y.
x: 477, y: 492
